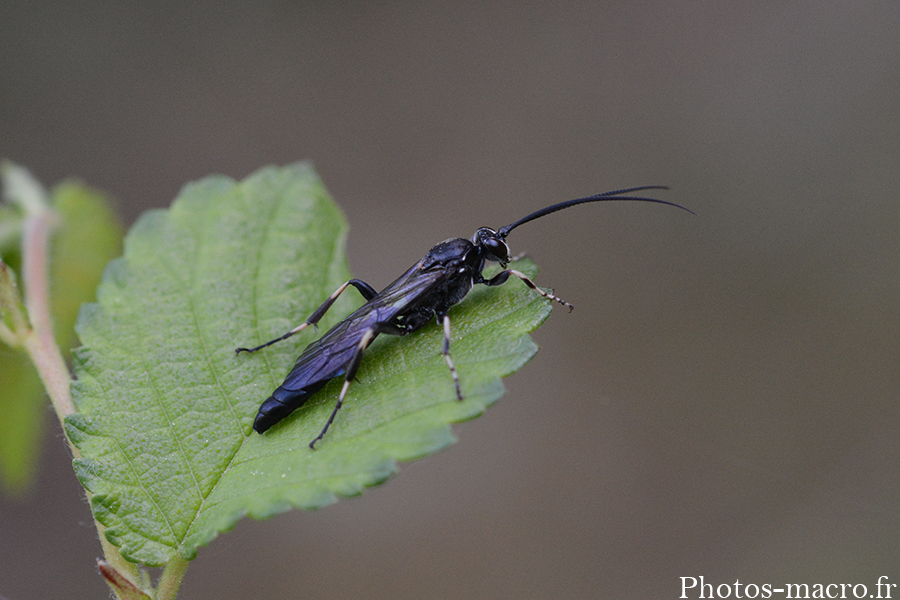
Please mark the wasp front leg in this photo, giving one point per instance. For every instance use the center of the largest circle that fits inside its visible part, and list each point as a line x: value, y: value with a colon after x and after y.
x: 501, y: 277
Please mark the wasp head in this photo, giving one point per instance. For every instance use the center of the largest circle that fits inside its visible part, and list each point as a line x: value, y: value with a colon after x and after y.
x: 491, y: 245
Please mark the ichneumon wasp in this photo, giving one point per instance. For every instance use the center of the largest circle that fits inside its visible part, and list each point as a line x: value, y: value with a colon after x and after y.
x: 427, y: 290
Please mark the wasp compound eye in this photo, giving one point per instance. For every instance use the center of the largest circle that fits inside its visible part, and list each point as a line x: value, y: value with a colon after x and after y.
x: 496, y: 250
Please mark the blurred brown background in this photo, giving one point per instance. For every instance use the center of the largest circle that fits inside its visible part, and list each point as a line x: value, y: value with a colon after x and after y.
x: 725, y: 399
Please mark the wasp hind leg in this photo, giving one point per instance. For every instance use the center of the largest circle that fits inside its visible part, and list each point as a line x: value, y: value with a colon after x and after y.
x: 367, y: 291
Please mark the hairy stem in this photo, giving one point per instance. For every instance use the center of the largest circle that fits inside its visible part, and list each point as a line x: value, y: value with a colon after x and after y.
x: 171, y: 577
x: 40, y: 343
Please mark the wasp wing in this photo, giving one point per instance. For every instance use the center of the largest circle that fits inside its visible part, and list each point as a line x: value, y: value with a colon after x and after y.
x: 328, y: 356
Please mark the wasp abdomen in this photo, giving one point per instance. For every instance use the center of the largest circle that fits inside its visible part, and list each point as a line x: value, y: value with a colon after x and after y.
x: 281, y: 403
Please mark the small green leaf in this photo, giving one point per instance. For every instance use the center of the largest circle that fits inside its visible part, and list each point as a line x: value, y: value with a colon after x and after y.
x: 22, y: 406
x: 88, y: 236
x: 10, y: 229
x: 166, y: 407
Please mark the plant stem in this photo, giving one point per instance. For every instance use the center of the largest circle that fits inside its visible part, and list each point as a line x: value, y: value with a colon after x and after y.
x: 40, y: 343
x: 171, y: 577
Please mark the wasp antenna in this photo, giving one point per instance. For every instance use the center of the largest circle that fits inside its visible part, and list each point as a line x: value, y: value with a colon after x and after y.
x: 615, y: 195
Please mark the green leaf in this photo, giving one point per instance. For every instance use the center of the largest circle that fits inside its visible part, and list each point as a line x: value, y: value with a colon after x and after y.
x: 90, y: 236
x: 87, y: 237
x: 166, y: 407
x: 22, y: 408
x: 10, y: 229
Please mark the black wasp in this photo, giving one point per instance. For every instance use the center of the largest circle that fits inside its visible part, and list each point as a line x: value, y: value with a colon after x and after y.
x: 426, y: 290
